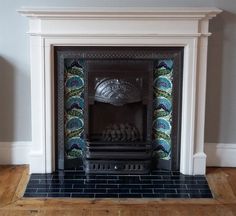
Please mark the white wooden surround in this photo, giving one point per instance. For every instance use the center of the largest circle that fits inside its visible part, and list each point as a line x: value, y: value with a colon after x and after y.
x: 171, y: 27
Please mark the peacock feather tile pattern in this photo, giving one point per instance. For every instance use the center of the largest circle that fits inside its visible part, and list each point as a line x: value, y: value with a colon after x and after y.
x: 74, y: 109
x: 162, y: 108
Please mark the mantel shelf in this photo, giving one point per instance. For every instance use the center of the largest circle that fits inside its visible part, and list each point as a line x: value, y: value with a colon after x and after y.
x: 121, y: 12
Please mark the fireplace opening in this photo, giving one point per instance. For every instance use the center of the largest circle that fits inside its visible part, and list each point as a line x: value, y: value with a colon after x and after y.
x: 118, y: 101
x: 118, y: 109
x: 110, y: 124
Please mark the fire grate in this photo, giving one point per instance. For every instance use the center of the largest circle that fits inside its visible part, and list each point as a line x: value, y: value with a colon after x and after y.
x: 120, y: 158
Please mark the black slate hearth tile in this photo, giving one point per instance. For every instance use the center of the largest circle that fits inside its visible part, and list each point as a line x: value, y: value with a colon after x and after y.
x: 187, y: 190
x: 41, y: 176
x: 106, y: 177
x: 34, y: 181
x: 35, y: 195
x: 129, y: 186
x: 177, y: 195
x: 176, y: 173
x: 38, y: 186
x: 205, y: 191
x: 68, y: 181
x: 150, y: 177
x: 106, y: 195
x: 160, y: 172
x: 158, y: 184
x: 107, y: 186
x: 96, y: 190
x: 61, y: 186
x: 72, y: 172
x: 156, y: 195
x: 152, y: 186
x: 176, y: 177
x: 128, y: 180
x: 77, y: 171
x: 113, y: 181
x: 59, y: 195
x: 45, y: 181
x: 65, y: 176
x: 96, y: 181
x: 202, y: 182
x: 149, y: 195
x: 128, y: 195
x: 201, y: 195
x: 208, y: 195
x: 185, y: 182
x: 146, y: 181
x: 175, y: 186
x: 205, y: 187
x: 70, y: 177
x: 84, y: 186
x: 172, y: 191
x: 162, y: 182
x: 31, y: 190
x: 71, y: 190
x: 197, y: 178
x: 141, y: 191
x: 80, y: 195
x: 124, y: 177
x: 118, y: 190
x: 93, y: 176
x: 48, y: 190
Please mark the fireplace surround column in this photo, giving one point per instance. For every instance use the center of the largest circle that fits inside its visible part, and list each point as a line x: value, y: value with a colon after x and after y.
x: 155, y: 27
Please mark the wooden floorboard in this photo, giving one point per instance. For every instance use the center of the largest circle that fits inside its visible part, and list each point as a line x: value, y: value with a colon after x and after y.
x: 13, y: 180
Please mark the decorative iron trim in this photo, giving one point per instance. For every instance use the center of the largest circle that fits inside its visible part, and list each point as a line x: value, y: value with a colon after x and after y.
x: 116, y: 92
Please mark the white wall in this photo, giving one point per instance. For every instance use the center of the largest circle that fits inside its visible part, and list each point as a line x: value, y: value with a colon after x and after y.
x: 15, y: 113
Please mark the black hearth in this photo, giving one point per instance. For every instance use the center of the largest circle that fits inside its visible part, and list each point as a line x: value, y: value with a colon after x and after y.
x: 118, y: 108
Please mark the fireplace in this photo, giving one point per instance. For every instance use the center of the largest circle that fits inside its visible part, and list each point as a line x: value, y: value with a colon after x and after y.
x: 149, y: 28
x: 118, y: 109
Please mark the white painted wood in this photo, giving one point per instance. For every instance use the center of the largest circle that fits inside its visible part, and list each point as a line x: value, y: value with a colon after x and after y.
x: 120, y: 12
x: 14, y: 152
x: 37, y: 153
x: 221, y: 154
x: 199, y: 163
x: 188, y: 107
x: 181, y: 27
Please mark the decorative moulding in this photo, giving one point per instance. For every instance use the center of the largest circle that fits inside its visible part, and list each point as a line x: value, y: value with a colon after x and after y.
x: 156, y: 27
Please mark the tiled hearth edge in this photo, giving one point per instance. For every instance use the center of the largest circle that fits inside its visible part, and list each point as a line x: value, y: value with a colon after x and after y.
x: 218, y: 154
x: 158, y: 184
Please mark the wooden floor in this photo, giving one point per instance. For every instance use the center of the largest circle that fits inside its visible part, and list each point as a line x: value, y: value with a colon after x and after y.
x: 13, y: 180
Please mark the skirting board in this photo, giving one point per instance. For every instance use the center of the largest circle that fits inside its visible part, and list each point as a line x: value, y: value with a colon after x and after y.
x: 14, y: 152
x: 218, y: 154
x: 221, y: 154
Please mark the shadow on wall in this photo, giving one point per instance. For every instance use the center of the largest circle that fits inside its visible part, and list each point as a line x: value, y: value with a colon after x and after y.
x: 216, y: 62
x: 7, y: 86
x: 12, y: 151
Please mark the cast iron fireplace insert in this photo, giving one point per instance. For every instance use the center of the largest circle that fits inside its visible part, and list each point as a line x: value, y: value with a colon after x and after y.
x: 118, y: 109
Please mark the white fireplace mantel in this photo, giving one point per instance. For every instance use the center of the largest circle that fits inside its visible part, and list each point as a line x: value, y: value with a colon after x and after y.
x: 173, y: 27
